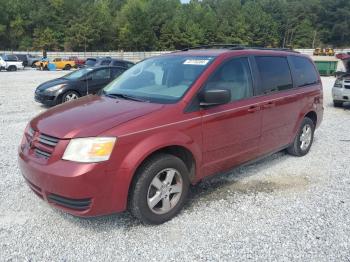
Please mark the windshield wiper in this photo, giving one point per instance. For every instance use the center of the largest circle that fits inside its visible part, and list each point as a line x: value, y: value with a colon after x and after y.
x: 124, y: 96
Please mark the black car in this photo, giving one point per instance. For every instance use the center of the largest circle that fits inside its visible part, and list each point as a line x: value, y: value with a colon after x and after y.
x: 76, y: 84
x: 108, y: 61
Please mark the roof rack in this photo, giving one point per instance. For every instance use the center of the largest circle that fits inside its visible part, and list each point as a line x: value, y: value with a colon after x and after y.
x: 237, y: 47
x: 212, y: 46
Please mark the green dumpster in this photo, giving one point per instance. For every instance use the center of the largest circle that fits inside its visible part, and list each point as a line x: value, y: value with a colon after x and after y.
x: 326, y: 68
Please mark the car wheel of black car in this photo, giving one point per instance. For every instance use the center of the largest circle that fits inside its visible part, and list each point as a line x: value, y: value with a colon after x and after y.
x: 304, y: 138
x: 67, y: 67
x: 160, y: 189
x: 69, y: 96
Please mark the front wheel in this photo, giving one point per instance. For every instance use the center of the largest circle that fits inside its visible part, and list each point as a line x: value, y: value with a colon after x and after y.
x: 67, y: 67
x: 337, y: 103
x: 304, y: 138
x: 70, y: 96
x: 160, y: 189
x: 12, y: 68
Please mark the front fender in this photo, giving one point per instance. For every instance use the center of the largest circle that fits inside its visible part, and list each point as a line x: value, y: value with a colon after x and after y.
x: 155, y: 142
x: 137, y: 152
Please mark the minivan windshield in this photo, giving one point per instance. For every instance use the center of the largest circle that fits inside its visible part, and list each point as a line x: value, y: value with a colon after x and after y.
x: 162, y: 79
x: 77, y: 74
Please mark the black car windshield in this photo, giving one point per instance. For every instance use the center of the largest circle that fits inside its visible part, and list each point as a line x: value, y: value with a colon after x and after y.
x: 160, y: 79
x: 77, y: 74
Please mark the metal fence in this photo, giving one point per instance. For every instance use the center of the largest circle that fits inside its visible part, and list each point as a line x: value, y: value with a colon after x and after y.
x: 131, y: 56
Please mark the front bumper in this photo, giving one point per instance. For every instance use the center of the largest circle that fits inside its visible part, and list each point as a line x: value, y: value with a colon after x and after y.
x: 46, y: 99
x: 341, y: 94
x: 79, y: 189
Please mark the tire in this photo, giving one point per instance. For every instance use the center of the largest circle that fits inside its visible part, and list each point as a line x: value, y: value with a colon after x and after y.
x: 168, y: 204
x: 67, y: 67
x: 69, y: 96
x: 337, y: 103
x: 298, y: 148
x: 12, y: 68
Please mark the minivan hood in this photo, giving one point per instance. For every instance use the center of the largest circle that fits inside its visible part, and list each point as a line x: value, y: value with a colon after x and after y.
x: 54, y: 82
x: 89, y: 116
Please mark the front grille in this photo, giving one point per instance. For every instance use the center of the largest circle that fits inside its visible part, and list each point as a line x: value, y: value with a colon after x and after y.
x: 41, y: 97
x: 42, y: 145
x: 40, y: 153
x: 48, y: 140
x: 45, y: 146
x: 76, y: 204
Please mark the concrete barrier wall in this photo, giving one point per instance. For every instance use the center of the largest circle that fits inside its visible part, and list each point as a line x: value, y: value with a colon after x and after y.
x: 131, y: 56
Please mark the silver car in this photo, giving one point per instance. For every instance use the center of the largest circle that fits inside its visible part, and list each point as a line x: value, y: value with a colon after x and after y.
x: 341, y: 90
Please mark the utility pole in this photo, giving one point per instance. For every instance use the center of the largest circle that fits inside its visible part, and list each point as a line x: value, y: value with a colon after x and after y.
x: 314, y: 39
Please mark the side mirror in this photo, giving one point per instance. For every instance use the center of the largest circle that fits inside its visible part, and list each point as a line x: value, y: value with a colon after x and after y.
x: 212, y: 97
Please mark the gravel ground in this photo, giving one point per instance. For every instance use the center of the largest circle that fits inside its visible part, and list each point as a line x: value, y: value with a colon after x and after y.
x: 281, y: 208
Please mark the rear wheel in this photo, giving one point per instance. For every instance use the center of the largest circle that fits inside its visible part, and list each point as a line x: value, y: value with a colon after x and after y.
x: 304, y: 138
x: 67, y: 67
x: 69, y: 96
x: 337, y: 103
x: 160, y: 189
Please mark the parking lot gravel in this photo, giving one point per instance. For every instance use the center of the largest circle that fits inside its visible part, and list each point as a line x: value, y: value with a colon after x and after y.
x: 281, y: 208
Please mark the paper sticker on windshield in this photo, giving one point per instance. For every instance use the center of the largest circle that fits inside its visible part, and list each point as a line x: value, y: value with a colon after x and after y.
x: 196, y: 62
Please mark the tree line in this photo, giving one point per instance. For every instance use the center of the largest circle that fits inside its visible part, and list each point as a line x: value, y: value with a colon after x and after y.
x: 143, y: 25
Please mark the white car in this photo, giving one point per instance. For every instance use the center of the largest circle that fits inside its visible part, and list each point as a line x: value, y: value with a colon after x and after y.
x: 10, y: 63
x: 341, y: 90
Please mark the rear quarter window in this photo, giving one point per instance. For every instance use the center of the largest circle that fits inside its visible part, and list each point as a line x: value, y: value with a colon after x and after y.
x: 274, y: 73
x: 304, y: 71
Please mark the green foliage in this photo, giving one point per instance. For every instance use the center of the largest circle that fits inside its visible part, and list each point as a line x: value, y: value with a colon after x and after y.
x: 143, y: 25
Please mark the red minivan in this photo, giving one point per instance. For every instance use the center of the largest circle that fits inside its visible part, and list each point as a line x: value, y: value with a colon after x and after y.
x: 169, y: 122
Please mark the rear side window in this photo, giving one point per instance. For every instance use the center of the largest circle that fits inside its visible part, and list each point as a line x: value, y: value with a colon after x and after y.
x: 101, y: 74
x: 304, y: 71
x: 118, y: 63
x: 275, y: 73
x: 115, y: 72
x: 234, y: 75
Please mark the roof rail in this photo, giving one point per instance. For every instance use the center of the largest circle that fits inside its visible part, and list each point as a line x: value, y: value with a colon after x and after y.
x: 238, y: 47
x: 211, y: 46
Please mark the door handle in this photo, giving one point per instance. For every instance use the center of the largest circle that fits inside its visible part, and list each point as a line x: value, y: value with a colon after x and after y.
x: 269, y: 105
x: 253, y: 109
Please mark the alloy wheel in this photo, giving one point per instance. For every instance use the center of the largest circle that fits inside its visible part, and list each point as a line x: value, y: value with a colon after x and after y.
x: 70, y: 97
x: 165, y: 191
x: 305, y: 137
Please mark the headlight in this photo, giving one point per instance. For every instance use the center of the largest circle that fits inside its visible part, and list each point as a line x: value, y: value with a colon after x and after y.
x: 89, y: 150
x: 338, y: 83
x: 54, y: 88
